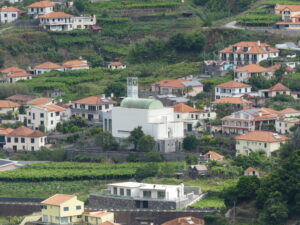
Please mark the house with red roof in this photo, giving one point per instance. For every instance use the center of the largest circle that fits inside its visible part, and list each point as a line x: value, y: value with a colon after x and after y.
x: 231, y: 89
x: 180, y: 86
x: 77, y: 64
x: 6, y: 106
x: 244, y: 73
x: 93, y: 107
x: 192, y: 118
x: 116, y: 66
x: 247, y: 52
x: 248, y: 120
x: 237, y: 103
x: 277, y: 89
x: 9, y: 14
x: 251, y: 172
x: 40, y: 8
x: 47, y: 67
x: 24, y: 138
x: 290, y: 15
x: 211, y: 156
x: 47, y: 116
x: 188, y: 220
x: 256, y: 141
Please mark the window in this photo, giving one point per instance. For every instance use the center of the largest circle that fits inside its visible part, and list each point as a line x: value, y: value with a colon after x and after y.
x: 22, y: 140
x: 42, y: 115
x: 57, y: 113
x: 147, y: 194
x: 51, y: 122
x: 51, y: 114
x: 106, y: 106
x: 128, y: 192
x: 161, y: 194
x: 5, y: 15
x: 14, y: 15
x: 16, y: 140
x: 115, y: 191
x: 66, y: 208
x: 266, y: 145
x: 32, y: 140
x: 121, y: 191
x: 8, y: 140
x: 78, y: 207
x: 32, y: 148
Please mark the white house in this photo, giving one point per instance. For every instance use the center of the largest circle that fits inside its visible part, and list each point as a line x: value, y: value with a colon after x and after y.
x: 155, y: 120
x: 78, y: 64
x: 284, y: 124
x: 244, y: 73
x: 247, y: 52
x: 84, y: 22
x: 9, y: 14
x: 93, y: 107
x: 255, y: 141
x: 57, y: 21
x: 24, y: 138
x: 6, y: 106
x: 192, y: 118
x: 14, y: 77
x: 47, y: 115
x: 147, y: 191
x: 46, y: 67
x: 14, y: 1
x: 40, y: 8
x: 116, y: 65
x: 277, y: 89
x: 231, y: 89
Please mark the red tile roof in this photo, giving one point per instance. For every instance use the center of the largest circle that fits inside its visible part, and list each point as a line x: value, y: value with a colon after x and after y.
x: 51, y: 108
x: 21, y: 98
x: 19, y: 74
x: 40, y: 101
x: 213, y: 155
x: 253, y: 48
x: 75, y: 63
x: 95, y: 100
x: 293, y: 8
x: 58, y: 199
x: 116, y: 63
x: 185, y: 221
x: 279, y: 87
x: 12, y: 70
x: 56, y: 15
x: 232, y: 84
x: 288, y: 110
x: 41, y: 4
x: 251, y: 68
x: 171, y: 83
x: 10, y: 9
x: 249, y: 170
x: 5, y: 131
x: 8, y: 104
x: 262, y: 136
x: 183, y: 108
x: 23, y: 131
x: 231, y: 100
x: 98, y: 214
x: 48, y: 65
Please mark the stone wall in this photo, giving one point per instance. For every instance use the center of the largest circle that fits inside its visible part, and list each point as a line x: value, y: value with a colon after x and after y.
x: 18, y: 209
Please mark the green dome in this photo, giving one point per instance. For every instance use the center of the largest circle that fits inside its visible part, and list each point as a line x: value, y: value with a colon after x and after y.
x: 141, y: 103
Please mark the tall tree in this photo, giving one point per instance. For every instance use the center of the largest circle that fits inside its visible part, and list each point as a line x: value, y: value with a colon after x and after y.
x: 135, y: 136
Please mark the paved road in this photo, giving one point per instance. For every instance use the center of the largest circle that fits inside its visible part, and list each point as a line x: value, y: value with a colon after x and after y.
x: 232, y: 25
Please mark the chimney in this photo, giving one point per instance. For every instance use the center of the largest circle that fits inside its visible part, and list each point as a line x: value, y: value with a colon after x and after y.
x: 112, y: 95
x: 103, y: 96
x: 258, y: 43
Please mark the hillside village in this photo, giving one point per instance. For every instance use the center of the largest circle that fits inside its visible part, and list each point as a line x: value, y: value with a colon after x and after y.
x: 157, y: 113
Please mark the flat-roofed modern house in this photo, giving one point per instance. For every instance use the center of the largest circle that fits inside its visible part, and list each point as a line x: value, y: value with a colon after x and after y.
x: 134, y: 195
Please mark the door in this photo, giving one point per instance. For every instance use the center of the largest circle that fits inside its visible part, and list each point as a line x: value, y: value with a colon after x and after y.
x: 189, y: 127
x: 90, y: 117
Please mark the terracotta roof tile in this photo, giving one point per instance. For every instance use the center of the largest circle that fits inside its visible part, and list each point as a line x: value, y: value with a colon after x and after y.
x: 116, y: 63
x: 23, y: 131
x: 75, y: 63
x: 256, y: 50
x: 10, y: 9
x: 185, y: 221
x: 279, y: 87
x: 12, y: 70
x: 5, y: 131
x: 249, y: 170
x: 254, y: 47
x: 251, y: 68
x: 231, y: 100
x: 40, y: 101
x: 21, y: 98
x: 178, y: 83
x: 183, y: 108
x: 48, y: 65
x: 51, y: 108
x: 19, y: 74
x: 288, y: 110
x: 98, y: 214
x: 95, y: 100
x: 233, y: 84
x: 58, y: 199
x: 262, y: 136
x: 213, y: 155
x: 56, y: 15
x: 293, y: 8
x: 41, y: 4
x: 8, y: 104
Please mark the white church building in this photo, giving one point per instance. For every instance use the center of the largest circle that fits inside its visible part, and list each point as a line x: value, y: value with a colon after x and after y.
x: 150, y: 114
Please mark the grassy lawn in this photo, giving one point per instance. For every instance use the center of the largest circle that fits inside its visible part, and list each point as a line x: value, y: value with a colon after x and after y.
x: 210, y: 201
